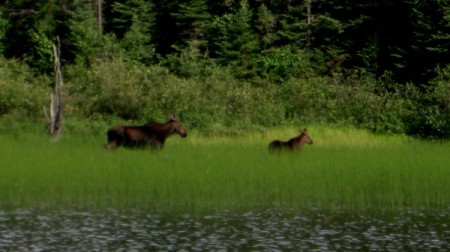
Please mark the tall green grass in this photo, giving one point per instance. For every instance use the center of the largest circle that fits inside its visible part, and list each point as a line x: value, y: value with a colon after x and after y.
x: 344, y: 168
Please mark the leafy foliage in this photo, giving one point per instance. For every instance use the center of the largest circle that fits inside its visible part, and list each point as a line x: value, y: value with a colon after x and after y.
x: 235, y: 65
x: 21, y: 93
x: 137, y: 19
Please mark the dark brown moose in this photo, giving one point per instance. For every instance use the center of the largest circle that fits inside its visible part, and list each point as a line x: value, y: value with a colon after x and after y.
x: 151, y: 135
x: 293, y: 143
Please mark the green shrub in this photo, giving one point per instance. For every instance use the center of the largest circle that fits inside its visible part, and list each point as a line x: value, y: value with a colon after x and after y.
x: 367, y: 104
x: 142, y: 93
x: 307, y: 100
x: 280, y: 64
x: 430, y: 113
x: 111, y: 88
x: 21, y: 91
x: 353, y: 101
x: 211, y: 100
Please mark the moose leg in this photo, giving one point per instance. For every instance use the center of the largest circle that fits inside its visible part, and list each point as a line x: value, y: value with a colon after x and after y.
x: 111, y: 145
x: 276, y: 146
x: 115, y: 137
x: 154, y: 145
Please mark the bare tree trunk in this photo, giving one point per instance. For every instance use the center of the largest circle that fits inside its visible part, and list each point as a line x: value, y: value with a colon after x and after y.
x: 56, y: 105
x: 100, y: 16
x: 309, y: 22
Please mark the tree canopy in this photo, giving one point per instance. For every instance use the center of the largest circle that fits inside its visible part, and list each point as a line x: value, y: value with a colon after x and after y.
x: 405, y: 39
x: 382, y: 65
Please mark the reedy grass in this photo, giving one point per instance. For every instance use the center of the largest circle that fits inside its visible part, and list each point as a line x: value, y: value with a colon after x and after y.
x: 344, y: 169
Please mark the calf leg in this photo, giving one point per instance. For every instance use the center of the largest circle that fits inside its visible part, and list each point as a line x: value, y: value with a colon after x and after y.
x: 115, y: 137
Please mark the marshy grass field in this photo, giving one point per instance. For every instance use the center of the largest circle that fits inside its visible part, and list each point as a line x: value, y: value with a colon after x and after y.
x: 343, y: 169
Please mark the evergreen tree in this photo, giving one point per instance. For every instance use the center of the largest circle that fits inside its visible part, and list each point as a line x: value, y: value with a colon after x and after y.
x: 233, y: 38
x: 4, y: 27
x: 192, y: 19
x: 348, y: 35
x: 31, y: 31
x: 136, y: 18
x: 293, y: 26
x: 430, y: 47
x: 86, y: 41
x: 265, y: 24
x: 165, y: 33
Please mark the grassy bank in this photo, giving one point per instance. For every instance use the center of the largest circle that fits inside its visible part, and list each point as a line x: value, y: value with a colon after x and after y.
x: 344, y: 168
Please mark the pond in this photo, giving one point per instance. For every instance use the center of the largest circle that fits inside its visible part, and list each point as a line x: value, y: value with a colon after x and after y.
x: 274, y: 230
x: 270, y: 230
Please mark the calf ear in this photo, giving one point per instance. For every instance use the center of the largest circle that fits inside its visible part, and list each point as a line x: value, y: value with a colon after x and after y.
x: 171, y: 117
x: 304, y: 130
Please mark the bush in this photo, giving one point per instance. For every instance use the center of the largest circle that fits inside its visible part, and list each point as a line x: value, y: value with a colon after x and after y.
x: 280, y: 64
x: 21, y: 92
x: 360, y: 102
x: 430, y: 113
x: 307, y: 100
x: 112, y: 88
x: 142, y: 93
x: 213, y: 101
x: 367, y: 104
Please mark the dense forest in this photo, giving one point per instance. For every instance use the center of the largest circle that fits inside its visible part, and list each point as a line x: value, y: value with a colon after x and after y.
x: 233, y: 65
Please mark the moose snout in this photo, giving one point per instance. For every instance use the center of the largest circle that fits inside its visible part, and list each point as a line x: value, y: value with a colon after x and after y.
x: 182, y: 132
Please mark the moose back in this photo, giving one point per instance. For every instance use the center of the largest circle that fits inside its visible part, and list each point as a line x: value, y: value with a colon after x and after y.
x: 151, y: 135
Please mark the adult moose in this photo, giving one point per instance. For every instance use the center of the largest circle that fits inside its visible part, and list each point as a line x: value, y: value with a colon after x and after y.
x: 151, y: 135
x: 293, y: 143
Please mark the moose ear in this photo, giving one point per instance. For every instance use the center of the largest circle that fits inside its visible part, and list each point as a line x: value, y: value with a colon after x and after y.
x: 304, y: 130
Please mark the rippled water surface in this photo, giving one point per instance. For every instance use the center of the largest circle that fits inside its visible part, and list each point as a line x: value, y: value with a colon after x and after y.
x: 25, y: 230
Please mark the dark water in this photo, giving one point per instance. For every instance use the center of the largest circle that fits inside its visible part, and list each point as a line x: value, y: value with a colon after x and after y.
x: 274, y: 230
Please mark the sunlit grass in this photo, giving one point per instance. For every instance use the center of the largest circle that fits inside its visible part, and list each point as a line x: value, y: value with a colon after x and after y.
x: 344, y: 168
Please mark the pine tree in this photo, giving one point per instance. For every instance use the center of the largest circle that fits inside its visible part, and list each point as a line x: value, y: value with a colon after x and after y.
x: 431, y: 32
x: 192, y: 19
x: 31, y: 31
x: 4, y: 27
x: 347, y: 34
x: 265, y: 24
x: 136, y: 18
x: 233, y: 37
x: 293, y: 26
x: 85, y: 38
